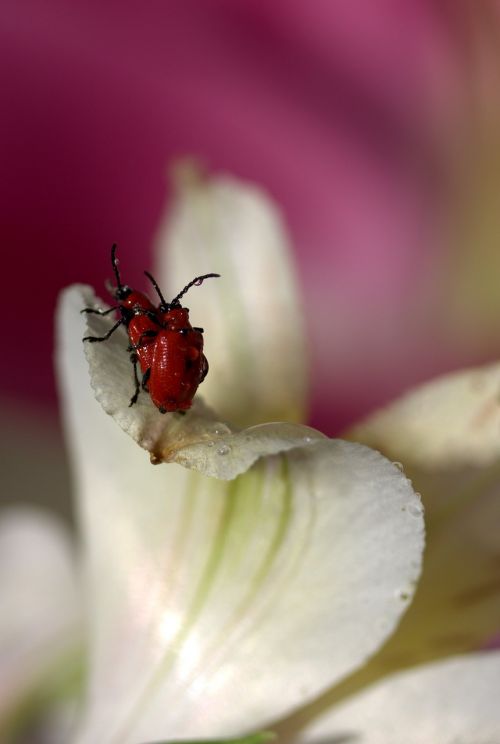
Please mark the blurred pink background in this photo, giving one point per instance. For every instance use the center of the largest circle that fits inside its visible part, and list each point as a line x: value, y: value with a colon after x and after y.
x: 374, y: 125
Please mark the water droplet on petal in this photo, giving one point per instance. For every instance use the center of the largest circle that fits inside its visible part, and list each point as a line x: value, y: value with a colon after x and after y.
x: 307, y: 440
x: 210, y: 444
x: 403, y: 595
x: 220, y: 429
x: 223, y: 449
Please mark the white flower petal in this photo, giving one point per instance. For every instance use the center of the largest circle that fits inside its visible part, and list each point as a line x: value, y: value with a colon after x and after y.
x: 451, y: 421
x: 252, y: 315
x: 447, y: 436
x: 452, y: 702
x: 39, y: 606
x: 220, y: 606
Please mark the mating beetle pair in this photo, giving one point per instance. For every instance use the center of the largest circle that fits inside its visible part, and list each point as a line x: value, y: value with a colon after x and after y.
x: 163, y: 342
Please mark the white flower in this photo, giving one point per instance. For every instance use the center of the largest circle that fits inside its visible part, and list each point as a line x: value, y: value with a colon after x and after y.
x: 451, y: 702
x: 216, y: 606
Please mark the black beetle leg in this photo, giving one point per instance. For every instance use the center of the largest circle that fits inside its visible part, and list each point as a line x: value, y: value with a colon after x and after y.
x: 204, y: 368
x: 98, y: 312
x: 145, y: 378
x: 133, y: 399
x: 92, y: 339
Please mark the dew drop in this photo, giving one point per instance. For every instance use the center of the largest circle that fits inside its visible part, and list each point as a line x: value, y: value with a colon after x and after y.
x: 403, y: 595
x: 198, y: 282
x: 210, y: 444
x: 223, y: 449
x: 220, y: 429
x: 307, y: 440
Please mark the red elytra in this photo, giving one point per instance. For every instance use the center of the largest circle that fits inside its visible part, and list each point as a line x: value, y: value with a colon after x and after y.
x: 171, y: 359
x: 162, y: 340
x: 178, y: 367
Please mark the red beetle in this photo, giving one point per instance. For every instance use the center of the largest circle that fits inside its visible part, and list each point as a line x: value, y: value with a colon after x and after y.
x: 168, y: 349
x: 138, y: 314
x: 174, y: 364
x: 132, y: 305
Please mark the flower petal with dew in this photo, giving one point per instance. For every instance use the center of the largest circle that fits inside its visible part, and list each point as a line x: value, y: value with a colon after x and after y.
x: 254, y: 324
x: 40, y: 632
x: 447, y: 435
x: 447, y: 702
x: 218, y: 605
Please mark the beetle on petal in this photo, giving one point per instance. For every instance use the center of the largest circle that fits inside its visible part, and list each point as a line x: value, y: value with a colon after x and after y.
x: 163, y: 342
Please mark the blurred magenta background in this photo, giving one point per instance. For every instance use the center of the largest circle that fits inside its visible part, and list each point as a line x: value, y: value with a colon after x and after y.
x: 374, y: 125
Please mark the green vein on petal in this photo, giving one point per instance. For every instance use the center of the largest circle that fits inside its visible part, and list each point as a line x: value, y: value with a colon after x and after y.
x: 243, y: 618
x: 277, y: 525
x: 237, y: 522
x: 260, y: 738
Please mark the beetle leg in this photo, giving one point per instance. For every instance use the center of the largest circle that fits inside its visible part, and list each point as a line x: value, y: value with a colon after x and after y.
x: 204, y: 369
x: 108, y: 334
x: 98, y: 312
x: 133, y: 399
x: 200, y: 330
x: 145, y: 379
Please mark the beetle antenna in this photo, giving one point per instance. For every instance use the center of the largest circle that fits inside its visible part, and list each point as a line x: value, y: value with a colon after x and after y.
x: 196, y: 281
x: 164, y: 303
x: 114, y: 263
